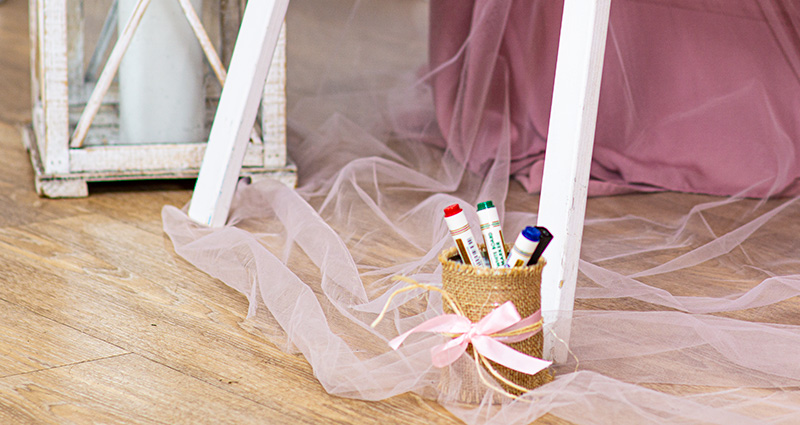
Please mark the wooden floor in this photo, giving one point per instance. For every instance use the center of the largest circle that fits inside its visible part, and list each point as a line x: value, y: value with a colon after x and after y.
x: 101, y: 322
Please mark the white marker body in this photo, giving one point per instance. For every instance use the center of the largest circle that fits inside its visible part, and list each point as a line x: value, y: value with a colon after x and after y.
x: 493, y: 237
x: 465, y: 242
x: 521, y: 252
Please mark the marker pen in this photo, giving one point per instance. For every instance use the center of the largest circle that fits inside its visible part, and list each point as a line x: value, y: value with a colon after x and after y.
x: 523, y: 247
x: 544, y: 239
x: 459, y: 229
x: 492, y: 234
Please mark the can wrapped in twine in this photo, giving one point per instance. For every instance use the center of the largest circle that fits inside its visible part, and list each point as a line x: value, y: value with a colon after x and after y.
x: 480, y: 290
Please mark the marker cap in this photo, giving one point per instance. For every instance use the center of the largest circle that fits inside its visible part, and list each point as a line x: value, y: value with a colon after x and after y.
x: 485, y: 205
x: 452, y: 210
x: 532, y: 234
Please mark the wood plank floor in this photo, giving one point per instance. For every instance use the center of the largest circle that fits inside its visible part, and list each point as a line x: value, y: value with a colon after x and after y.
x: 101, y: 322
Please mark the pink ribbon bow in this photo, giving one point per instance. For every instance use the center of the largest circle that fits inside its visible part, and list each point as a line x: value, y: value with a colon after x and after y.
x: 503, y: 318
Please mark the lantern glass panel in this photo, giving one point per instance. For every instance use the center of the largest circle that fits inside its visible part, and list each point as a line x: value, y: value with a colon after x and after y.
x: 93, y: 27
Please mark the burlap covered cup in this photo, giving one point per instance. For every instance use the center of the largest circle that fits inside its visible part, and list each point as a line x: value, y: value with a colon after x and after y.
x: 478, y: 291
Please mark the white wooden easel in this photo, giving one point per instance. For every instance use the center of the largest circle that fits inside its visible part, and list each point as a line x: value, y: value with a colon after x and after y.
x: 570, y: 138
x: 569, y: 144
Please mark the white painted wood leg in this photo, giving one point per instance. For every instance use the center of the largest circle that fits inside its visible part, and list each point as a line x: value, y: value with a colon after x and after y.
x: 236, y: 113
x: 562, y: 204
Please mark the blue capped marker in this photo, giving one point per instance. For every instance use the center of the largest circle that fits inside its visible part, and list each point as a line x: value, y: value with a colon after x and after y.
x: 524, y: 247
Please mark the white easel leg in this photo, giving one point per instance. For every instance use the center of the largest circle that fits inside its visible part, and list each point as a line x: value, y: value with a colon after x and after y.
x: 573, y: 116
x: 236, y: 113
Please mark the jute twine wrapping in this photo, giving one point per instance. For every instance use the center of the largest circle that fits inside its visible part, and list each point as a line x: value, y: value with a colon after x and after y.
x: 478, y: 291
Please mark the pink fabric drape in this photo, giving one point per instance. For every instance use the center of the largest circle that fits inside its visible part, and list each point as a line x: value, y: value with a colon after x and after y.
x: 697, y: 95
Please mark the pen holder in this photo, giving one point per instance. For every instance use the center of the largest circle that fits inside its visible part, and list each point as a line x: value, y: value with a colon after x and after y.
x: 478, y: 291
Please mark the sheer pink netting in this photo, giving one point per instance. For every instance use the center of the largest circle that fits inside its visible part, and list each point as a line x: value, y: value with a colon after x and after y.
x: 400, y: 108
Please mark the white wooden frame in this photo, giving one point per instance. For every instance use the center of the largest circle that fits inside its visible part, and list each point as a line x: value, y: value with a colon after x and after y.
x: 238, y: 103
x: 59, y: 92
x: 568, y: 156
x: 567, y: 159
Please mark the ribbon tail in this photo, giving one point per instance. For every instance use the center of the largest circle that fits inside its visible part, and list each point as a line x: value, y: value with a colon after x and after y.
x: 507, y: 356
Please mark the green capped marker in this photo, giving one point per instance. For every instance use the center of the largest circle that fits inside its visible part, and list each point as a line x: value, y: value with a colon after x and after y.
x: 492, y: 234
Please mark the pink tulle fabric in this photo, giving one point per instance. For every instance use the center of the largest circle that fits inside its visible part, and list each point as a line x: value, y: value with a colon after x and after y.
x: 699, y: 96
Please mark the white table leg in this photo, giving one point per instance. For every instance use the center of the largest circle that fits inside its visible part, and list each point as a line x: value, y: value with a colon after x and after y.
x: 236, y: 113
x: 567, y: 160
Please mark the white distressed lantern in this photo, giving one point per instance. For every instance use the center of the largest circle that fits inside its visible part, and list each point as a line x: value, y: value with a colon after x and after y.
x: 75, y: 133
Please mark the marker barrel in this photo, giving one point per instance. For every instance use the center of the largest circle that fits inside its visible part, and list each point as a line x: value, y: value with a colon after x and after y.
x: 544, y: 239
x: 492, y: 234
x: 462, y: 235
